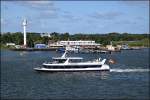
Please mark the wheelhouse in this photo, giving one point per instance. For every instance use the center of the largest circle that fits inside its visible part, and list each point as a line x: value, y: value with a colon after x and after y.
x: 71, y: 59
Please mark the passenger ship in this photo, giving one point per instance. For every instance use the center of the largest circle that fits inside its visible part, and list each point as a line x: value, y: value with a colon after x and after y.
x: 68, y: 64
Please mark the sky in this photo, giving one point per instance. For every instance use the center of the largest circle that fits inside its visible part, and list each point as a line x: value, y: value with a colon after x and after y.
x: 76, y: 16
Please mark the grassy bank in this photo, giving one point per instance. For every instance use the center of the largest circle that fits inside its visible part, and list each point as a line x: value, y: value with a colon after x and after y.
x: 3, y: 46
x: 142, y: 43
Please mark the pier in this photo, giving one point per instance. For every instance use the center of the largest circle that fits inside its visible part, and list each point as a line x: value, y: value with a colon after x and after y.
x: 55, y: 49
x: 33, y: 49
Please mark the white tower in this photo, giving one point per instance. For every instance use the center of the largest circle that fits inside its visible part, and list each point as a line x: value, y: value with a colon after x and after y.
x: 24, y: 31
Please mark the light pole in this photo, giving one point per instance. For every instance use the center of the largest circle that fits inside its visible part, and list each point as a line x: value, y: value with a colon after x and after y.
x: 24, y: 31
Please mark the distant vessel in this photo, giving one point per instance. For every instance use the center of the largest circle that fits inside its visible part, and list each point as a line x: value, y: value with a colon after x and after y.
x: 67, y: 64
x: 125, y: 47
x: 69, y: 49
x: 72, y: 48
x: 61, y: 50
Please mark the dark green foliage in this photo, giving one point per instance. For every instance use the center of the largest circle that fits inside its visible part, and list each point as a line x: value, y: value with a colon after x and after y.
x: 104, y: 39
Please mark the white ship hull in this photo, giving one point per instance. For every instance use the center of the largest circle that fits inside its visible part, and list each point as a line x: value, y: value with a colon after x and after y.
x: 70, y: 70
x: 102, y: 68
x: 66, y: 64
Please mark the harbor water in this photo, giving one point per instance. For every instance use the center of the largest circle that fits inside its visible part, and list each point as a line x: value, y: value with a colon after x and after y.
x: 127, y: 79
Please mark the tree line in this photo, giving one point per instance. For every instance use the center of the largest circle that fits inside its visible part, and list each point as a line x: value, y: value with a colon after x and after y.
x: 104, y: 39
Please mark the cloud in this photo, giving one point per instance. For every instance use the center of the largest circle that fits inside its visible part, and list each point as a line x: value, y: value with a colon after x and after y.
x: 127, y: 22
x: 140, y: 18
x: 136, y: 3
x: 69, y: 17
x: 4, y: 5
x: 106, y: 16
x: 47, y: 15
x: 42, y: 9
x: 2, y: 21
x: 32, y: 4
x: 46, y: 10
x: 39, y: 5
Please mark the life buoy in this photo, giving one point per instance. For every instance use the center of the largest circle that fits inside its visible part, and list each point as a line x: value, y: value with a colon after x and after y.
x: 112, y: 61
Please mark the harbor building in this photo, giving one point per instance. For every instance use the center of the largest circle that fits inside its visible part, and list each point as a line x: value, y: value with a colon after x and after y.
x: 113, y: 48
x: 45, y: 34
x: 10, y: 44
x: 78, y: 43
x: 82, y: 44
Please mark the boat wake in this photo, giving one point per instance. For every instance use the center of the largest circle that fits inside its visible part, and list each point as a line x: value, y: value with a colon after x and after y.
x: 129, y: 70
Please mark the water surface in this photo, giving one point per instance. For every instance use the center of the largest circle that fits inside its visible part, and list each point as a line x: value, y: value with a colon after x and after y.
x: 127, y: 79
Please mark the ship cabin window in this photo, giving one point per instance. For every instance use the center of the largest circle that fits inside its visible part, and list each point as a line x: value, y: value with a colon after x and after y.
x: 60, y: 60
x: 75, y: 60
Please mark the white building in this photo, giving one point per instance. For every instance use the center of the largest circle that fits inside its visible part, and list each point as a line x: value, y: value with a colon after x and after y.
x: 10, y: 44
x: 110, y: 47
x: 78, y: 43
x: 45, y: 35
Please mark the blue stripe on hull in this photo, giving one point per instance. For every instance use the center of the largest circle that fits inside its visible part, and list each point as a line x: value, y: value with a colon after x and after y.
x: 79, y: 66
x: 71, y: 70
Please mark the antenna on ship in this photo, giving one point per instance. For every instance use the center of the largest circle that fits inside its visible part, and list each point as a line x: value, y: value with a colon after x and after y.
x: 24, y: 31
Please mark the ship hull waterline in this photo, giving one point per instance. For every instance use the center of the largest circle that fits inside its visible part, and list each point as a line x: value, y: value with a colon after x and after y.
x: 69, y: 69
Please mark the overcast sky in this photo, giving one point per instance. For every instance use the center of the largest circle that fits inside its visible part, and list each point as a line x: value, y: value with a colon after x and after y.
x: 76, y: 16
